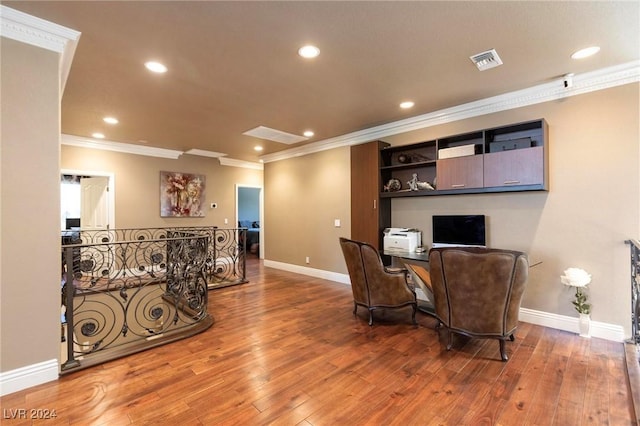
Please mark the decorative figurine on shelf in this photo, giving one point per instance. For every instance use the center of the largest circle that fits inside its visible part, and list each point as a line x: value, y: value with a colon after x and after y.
x: 416, y: 185
x: 413, y: 183
x: 393, y: 185
x: 425, y: 185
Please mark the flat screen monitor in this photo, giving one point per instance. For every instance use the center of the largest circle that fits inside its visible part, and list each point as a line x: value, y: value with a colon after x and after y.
x: 72, y: 222
x: 459, y: 230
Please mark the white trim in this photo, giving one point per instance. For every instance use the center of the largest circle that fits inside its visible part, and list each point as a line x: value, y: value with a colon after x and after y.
x: 582, y: 83
x: 26, y: 377
x: 240, y: 163
x: 562, y: 322
x: 106, y: 145
x: 37, y: 32
x: 601, y: 330
x: 303, y: 270
x: 150, y: 151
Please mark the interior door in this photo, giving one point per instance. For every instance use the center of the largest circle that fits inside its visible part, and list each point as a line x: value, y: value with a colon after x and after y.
x: 94, y: 200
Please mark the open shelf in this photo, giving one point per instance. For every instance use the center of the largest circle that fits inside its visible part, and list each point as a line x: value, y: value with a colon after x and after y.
x: 502, y: 159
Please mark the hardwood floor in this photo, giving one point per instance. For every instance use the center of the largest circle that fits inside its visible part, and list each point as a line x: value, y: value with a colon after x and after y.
x: 286, y: 349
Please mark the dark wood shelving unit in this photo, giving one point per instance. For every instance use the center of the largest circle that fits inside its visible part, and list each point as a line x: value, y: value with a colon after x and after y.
x: 502, y: 159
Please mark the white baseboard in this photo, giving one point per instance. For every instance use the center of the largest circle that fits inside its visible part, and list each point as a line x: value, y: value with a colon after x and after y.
x: 26, y: 377
x: 312, y: 272
x: 601, y: 330
x: 36, y: 374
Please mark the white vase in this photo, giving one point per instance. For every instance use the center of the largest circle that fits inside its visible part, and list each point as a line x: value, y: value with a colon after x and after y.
x: 584, y: 325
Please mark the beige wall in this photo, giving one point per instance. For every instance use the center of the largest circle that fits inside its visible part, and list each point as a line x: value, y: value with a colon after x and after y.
x: 137, y: 180
x: 591, y: 208
x: 303, y: 196
x: 593, y: 204
x: 29, y: 190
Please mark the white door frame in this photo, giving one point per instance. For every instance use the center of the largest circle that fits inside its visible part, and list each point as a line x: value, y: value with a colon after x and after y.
x: 112, y: 189
x: 261, y: 214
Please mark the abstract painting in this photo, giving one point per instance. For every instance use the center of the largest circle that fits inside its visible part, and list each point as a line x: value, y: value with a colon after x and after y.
x: 182, y: 194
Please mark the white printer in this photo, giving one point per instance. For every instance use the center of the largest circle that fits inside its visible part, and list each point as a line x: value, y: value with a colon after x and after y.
x: 404, y: 239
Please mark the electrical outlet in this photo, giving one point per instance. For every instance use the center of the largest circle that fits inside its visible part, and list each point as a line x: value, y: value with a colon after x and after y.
x: 306, y: 260
x: 336, y: 223
x: 226, y: 221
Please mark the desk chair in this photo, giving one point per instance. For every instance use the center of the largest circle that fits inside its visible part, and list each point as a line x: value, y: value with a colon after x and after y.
x: 373, y: 286
x: 477, y: 291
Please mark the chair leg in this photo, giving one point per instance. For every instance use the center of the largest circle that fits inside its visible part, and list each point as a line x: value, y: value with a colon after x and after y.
x: 503, y: 353
x: 413, y: 316
x: 512, y: 337
x: 355, y: 308
x: 370, y: 317
x: 450, y: 342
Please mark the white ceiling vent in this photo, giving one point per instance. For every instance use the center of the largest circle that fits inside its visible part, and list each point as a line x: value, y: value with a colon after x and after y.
x: 263, y: 132
x: 486, y: 60
x: 205, y: 153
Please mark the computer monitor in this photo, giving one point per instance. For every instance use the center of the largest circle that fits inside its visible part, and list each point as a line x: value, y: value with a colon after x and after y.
x: 72, y: 222
x: 459, y: 230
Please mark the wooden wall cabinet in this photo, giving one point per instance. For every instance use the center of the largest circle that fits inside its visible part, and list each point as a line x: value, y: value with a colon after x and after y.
x: 512, y: 168
x: 370, y: 214
x: 506, y: 158
x: 460, y: 173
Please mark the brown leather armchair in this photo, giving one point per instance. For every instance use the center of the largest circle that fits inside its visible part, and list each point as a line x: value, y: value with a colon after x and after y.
x: 373, y: 286
x: 477, y: 291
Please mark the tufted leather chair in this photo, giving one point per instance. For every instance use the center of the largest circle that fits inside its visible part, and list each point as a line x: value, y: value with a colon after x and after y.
x: 477, y: 291
x: 373, y: 286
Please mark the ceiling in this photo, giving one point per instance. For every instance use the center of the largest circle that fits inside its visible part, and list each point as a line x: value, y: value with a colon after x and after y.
x: 233, y: 66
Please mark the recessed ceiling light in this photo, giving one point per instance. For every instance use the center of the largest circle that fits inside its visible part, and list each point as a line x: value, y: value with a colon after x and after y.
x: 407, y: 104
x: 308, y: 133
x: 155, y: 67
x: 586, y: 52
x: 308, y: 51
x: 110, y: 120
x: 258, y: 148
x: 97, y: 135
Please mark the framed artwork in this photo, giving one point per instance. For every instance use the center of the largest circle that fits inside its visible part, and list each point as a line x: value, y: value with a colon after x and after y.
x: 182, y: 194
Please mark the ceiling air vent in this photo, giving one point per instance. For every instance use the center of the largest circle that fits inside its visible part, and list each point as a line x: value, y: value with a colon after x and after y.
x: 262, y: 132
x: 486, y: 60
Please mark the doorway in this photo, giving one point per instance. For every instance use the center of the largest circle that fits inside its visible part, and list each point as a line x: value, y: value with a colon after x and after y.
x: 249, y: 205
x: 87, y: 200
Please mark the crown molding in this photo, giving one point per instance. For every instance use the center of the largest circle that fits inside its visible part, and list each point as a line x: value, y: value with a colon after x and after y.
x: 150, y: 151
x: 582, y: 83
x: 240, y: 163
x: 37, y: 32
x: 106, y: 145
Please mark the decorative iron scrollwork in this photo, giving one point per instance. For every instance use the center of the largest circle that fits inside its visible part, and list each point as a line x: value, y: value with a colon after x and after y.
x: 124, y: 287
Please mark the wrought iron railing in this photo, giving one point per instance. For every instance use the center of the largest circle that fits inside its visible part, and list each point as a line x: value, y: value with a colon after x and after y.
x: 225, y: 263
x: 226, y: 255
x: 121, y: 297
x: 635, y: 291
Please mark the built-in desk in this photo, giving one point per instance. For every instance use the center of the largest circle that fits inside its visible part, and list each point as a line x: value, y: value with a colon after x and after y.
x: 408, y: 255
x: 406, y: 259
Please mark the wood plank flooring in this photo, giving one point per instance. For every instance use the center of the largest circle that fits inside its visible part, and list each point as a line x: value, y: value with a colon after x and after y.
x: 286, y: 349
